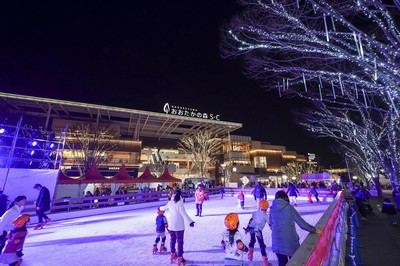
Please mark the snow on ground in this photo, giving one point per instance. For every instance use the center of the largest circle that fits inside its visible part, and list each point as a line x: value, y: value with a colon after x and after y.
x: 126, y: 238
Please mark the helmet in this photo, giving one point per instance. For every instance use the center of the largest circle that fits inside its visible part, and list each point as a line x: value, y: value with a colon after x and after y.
x: 21, y: 220
x: 160, y: 210
x: 231, y: 221
x: 264, y: 205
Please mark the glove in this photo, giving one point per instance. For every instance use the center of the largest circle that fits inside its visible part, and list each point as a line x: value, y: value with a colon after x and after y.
x: 19, y: 253
x: 191, y: 224
x: 319, y: 231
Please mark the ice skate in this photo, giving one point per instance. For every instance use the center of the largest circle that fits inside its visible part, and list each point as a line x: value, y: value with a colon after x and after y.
x: 250, y: 255
x: 155, y: 249
x: 265, y: 261
x: 173, y: 257
x: 18, y: 262
x: 181, y: 261
x: 48, y: 220
x: 163, y: 249
x: 39, y: 226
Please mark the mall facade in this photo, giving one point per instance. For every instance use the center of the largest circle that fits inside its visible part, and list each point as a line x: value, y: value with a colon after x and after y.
x: 151, y: 138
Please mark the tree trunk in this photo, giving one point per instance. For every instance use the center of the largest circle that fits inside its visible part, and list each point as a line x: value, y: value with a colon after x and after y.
x: 378, y: 186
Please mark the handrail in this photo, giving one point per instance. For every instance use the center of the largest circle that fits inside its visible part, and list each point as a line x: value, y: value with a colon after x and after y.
x: 328, y: 249
x: 83, y: 203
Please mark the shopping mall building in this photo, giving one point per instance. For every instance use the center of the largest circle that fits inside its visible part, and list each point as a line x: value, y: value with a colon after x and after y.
x: 148, y: 138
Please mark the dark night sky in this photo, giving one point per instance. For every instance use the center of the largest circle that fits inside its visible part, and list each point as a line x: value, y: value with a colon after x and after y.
x: 140, y: 55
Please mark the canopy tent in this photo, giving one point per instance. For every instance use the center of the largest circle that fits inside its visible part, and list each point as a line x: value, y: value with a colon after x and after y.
x: 167, y: 177
x: 123, y: 176
x: 93, y: 176
x: 63, y: 179
x: 316, y: 177
x: 147, y: 177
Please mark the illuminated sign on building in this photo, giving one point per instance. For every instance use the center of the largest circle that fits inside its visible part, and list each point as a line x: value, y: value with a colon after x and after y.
x: 190, y: 112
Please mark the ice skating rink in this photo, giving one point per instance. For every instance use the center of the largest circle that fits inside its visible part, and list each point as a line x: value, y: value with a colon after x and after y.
x: 126, y: 238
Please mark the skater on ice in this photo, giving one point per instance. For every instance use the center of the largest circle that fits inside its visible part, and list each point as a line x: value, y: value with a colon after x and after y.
x: 240, y: 198
x: 232, y: 241
x: 255, y: 226
x: 176, y: 226
x: 313, y: 192
x: 282, y: 219
x: 161, y: 227
x: 293, y: 192
x: 42, y: 205
x: 12, y: 252
x: 200, y: 195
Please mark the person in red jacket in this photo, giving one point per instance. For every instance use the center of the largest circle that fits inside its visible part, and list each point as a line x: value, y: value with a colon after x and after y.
x: 12, y: 252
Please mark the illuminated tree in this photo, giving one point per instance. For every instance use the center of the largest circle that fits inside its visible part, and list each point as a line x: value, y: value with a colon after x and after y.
x: 321, y: 50
x: 90, y: 144
x: 369, y: 138
x: 204, y: 147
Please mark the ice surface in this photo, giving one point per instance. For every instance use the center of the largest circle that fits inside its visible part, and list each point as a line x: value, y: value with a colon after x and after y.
x: 126, y: 238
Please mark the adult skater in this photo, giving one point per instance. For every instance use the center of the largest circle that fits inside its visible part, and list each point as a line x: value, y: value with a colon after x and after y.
x: 42, y: 205
x: 293, y: 192
x: 259, y: 193
x: 282, y: 219
x: 176, y: 226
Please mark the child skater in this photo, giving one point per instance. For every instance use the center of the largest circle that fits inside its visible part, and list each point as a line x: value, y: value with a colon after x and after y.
x: 12, y: 252
x: 161, y: 225
x: 241, y: 200
x: 390, y: 210
x: 232, y: 241
x: 256, y: 224
x: 313, y: 191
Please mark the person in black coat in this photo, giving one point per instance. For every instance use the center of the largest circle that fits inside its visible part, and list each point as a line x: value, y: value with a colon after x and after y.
x: 3, y: 203
x: 42, y: 205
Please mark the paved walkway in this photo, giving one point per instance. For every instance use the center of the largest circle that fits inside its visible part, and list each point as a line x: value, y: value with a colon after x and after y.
x: 379, y: 239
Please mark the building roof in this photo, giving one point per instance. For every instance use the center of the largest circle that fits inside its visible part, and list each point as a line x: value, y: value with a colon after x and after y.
x: 132, y: 122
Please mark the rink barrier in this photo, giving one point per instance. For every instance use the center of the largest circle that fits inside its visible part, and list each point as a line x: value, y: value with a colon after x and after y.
x: 330, y: 248
x: 69, y: 208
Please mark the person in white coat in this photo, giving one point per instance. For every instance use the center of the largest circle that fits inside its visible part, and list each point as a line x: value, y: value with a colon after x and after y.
x: 7, y: 219
x: 177, y: 217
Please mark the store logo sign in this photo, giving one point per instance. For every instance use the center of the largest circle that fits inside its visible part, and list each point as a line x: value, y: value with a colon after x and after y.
x: 189, y: 112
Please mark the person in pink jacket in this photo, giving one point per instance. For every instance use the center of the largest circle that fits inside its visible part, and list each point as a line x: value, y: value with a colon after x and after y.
x: 200, y: 195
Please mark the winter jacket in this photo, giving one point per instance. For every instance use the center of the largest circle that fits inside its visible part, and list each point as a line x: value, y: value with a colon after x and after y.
x: 6, y: 221
x: 16, y: 241
x: 259, y: 220
x: 259, y: 192
x: 282, y: 219
x: 313, y: 191
x: 292, y: 191
x: 161, y: 223
x: 200, y: 195
x: 43, y: 199
x: 231, y: 249
x: 177, y: 215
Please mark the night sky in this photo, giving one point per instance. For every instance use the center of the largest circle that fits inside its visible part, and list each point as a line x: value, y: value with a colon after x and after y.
x: 140, y: 55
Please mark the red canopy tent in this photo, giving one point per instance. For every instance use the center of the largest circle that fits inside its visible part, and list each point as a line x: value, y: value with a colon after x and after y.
x: 123, y: 177
x: 63, y: 179
x: 93, y: 176
x: 147, y: 177
x: 167, y: 177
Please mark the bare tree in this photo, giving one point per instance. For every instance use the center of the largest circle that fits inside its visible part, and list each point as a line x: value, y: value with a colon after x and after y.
x: 203, y: 147
x: 321, y: 49
x: 369, y: 138
x: 90, y: 144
